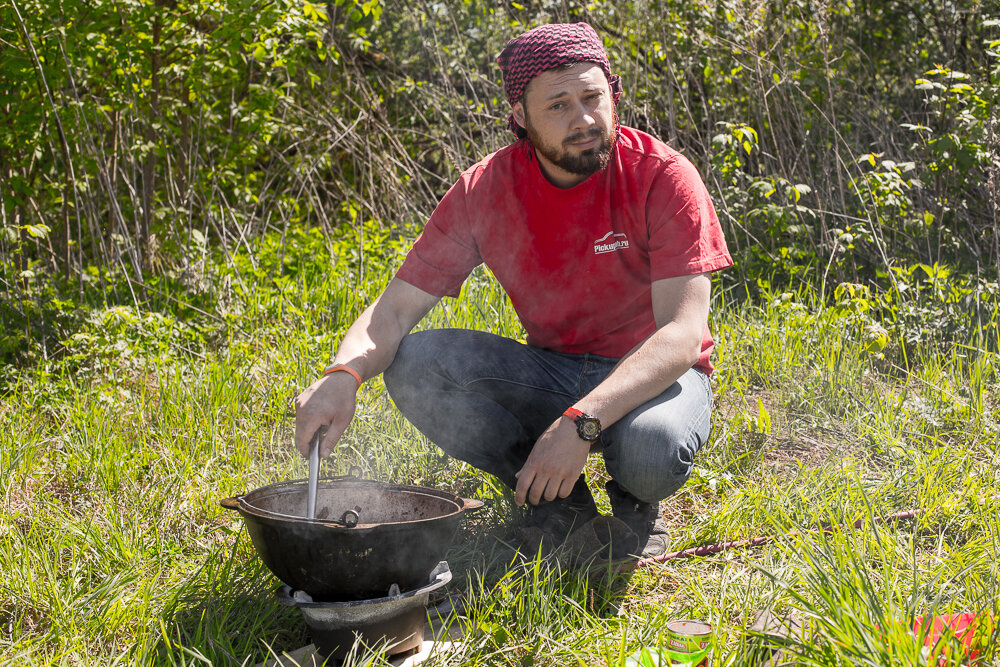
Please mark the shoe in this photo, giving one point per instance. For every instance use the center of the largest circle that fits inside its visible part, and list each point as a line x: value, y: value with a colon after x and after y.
x: 601, y: 540
x: 643, y: 518
x: 548, y: 524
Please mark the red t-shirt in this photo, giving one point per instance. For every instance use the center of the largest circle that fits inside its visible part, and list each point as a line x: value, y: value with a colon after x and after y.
x: 577, y: 264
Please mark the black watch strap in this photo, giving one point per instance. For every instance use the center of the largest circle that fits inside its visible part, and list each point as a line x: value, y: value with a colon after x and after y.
x: 587, y: 426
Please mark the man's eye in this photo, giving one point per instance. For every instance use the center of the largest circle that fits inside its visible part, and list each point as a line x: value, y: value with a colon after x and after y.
x: 558, y: 106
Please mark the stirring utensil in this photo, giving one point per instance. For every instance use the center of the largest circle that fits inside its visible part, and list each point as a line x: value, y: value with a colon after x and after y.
x: 313, y: 478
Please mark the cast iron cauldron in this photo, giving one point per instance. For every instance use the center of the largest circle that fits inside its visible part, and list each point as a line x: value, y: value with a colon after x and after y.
x: 367, y: 535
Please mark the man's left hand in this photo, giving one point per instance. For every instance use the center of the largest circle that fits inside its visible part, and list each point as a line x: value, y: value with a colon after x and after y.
x: 554, y: 465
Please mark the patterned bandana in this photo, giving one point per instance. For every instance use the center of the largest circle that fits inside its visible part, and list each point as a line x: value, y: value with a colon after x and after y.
x: 547, y: 46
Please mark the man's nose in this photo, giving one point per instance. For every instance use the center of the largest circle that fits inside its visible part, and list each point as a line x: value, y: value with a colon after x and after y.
x: 583, y: 117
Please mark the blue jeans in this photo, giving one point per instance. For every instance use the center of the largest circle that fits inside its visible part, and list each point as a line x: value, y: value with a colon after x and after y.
x: 485, y: 399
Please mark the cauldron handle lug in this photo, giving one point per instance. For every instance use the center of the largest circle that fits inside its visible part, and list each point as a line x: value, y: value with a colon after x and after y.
x: 355, y: 472
x: 232, y: 503
x: 471, y: 504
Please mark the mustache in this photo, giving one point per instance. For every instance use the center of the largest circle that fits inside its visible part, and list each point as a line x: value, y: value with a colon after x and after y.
x: 594, y: 132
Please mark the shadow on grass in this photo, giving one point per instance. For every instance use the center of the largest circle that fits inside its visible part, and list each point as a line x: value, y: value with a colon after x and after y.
x: 491, y: 571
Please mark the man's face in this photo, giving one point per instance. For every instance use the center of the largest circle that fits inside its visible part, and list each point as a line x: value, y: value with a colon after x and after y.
x: 569, y: 116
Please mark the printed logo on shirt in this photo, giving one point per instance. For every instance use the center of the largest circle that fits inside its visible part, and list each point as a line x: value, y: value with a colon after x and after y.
x: 610, y: 242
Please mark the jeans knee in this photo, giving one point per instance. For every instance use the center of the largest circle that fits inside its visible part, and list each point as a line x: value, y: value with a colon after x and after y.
x: 652, y: 479
x: 650, y: 452
x: 653, y: 460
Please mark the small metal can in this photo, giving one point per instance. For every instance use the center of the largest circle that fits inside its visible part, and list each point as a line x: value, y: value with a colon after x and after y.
x: 689, y: 643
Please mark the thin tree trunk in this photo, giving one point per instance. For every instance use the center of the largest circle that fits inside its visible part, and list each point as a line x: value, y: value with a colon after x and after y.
x: 149, y: 163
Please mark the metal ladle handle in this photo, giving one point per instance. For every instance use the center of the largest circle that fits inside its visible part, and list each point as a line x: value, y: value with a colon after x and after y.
x: 313, y: 477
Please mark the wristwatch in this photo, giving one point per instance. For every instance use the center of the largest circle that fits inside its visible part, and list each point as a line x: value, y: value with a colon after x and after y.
x: 587, y: 427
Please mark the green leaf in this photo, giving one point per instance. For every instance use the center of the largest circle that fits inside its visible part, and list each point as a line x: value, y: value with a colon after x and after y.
x: 37, y: 231
x: 763, y: 418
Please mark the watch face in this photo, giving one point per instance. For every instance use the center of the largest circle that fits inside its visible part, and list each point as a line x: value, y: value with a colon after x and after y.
x: 589, y: 429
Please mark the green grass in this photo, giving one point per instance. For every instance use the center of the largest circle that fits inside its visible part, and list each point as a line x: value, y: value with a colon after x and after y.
x: 114, y: 550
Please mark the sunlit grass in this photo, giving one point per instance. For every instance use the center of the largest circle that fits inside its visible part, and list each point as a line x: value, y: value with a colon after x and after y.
x: 114, y: 549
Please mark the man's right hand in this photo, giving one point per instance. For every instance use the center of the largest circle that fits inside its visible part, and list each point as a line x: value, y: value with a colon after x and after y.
x: 328, y: 403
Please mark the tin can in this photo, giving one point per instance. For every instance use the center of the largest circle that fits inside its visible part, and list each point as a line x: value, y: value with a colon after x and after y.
x: 689, y: 643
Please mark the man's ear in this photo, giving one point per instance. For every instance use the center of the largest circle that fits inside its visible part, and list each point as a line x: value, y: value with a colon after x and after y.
x: 518, y: 112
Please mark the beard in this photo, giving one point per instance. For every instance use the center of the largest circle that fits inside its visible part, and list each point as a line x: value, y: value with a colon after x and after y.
x: 582, y: 163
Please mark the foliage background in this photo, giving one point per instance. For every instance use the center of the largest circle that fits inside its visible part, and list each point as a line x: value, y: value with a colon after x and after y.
x: 845, y: 142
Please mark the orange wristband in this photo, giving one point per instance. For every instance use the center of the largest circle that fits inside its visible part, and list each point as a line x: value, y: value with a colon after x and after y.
x: 346, y: 369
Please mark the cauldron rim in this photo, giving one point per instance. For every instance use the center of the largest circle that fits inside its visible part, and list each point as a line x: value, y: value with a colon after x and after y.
x: 244, y: 502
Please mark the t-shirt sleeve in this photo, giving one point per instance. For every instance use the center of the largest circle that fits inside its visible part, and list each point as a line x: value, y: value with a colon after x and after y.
x: 685, y: 237
x: 445, y: 253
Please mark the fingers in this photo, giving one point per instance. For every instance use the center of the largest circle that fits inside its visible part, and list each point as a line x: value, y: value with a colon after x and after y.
x: 306, y: 432
x: 551, y: 491
x: 317, y: 438
x: 533, y: 487
x: 327, y: 408
x: 303, y: 436
x: 524, y: 479
x: 306, y: 426
x: 547, y: 489
x: 566, y: 487
x: 553, y: 466
x: 329, y: 439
